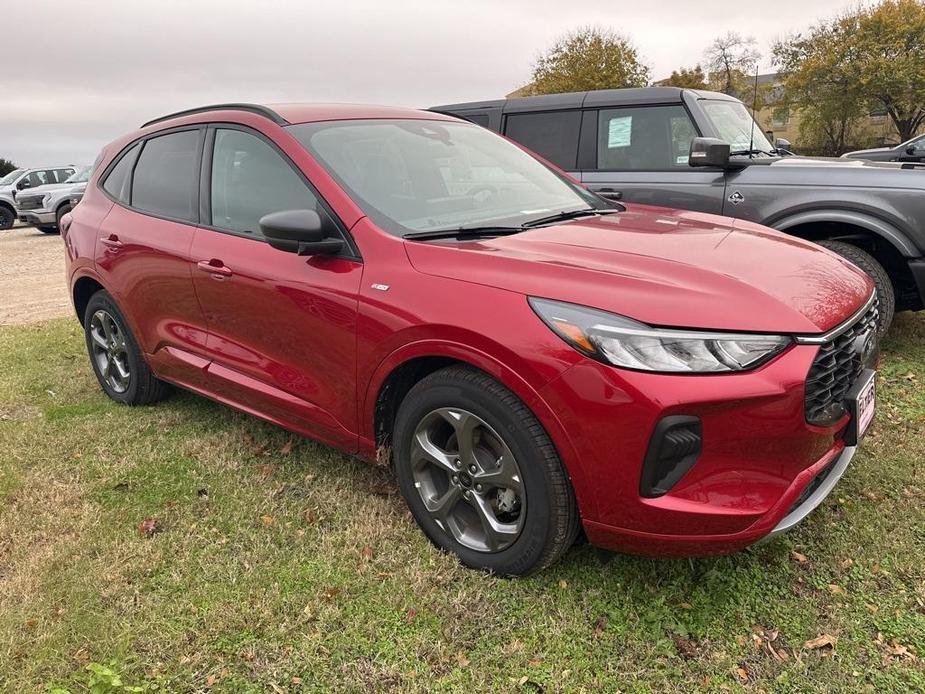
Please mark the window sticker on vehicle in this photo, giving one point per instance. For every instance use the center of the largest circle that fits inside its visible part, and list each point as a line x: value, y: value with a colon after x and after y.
x: 620, y: 132
x: 683, y: 159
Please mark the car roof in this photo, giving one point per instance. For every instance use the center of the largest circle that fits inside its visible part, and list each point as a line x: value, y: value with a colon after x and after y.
x: 294, y: 113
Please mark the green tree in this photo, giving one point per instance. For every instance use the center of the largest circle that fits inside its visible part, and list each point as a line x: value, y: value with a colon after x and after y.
x: 589, y: 58
x: 874, y: 56
x: 686, y: 78
x: 6, y: 166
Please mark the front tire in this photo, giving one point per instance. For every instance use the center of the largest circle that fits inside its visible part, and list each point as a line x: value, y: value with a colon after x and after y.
x: 870, y: 265
x: 480, y: 474
x: 117, y: 360
x: 7, y: 218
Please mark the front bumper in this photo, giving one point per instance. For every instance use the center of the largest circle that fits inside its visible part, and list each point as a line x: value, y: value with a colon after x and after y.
x: 37, y: 217
x: 758, y: 454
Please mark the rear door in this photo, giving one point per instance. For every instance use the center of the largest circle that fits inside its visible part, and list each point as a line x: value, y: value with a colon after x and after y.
x: 282, y: 326
x: 142, y: 253
x: 640, y: 154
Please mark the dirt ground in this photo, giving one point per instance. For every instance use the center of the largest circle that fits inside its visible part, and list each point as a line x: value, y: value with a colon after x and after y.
x: 32, y: 282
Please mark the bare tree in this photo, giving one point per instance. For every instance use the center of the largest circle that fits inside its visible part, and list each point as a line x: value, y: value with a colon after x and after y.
x: 730, y: 59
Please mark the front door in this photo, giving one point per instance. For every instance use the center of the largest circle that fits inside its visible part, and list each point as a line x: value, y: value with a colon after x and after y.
x: 642, y: 157
x: 282, y: 327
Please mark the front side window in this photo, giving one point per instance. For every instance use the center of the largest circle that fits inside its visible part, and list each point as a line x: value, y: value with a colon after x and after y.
x: 35, y: 179
x: 250, y: 179
x: 117, y: 181
x: 551, y: 134
x: 421, y: 175
x: 644, y: 138
x: 735, y: 125
x: 167, y: 176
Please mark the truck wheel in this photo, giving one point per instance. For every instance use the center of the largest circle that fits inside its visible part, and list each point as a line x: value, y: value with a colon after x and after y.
x: 872, y: 267
x: 63, y: 210
x: 7, y: 218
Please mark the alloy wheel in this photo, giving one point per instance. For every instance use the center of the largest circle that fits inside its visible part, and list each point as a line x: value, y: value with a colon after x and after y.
x: 110, y: 354
x: 468, y: 479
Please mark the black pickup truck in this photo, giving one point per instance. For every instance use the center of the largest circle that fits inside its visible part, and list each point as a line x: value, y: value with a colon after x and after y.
x: 701, y: 150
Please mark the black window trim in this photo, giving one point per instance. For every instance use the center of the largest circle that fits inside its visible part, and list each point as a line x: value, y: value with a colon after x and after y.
x: 550, y: 111
x: 594, y: 129
x: 101, y: 181
x: 352, y: 252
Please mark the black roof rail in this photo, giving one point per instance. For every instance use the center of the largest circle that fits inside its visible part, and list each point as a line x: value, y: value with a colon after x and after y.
x: 250, y: 108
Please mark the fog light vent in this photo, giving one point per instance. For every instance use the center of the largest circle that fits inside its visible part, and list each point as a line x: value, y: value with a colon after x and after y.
x: 675, y: 445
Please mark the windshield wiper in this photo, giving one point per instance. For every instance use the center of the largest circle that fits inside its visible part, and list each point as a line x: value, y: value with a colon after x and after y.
x: 463, y: 233
x: 573, y: 214
x: 750, y: 152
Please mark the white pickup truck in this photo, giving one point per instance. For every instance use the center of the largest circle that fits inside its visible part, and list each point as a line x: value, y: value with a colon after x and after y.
x: 43, y: 207
x: 15, y: 182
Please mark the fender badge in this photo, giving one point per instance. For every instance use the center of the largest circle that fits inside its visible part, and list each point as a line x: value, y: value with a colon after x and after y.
x: 736, y: 198
x: 380, y: 287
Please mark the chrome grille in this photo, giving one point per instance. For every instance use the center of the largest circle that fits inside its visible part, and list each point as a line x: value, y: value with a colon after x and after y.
x: 835, y: 369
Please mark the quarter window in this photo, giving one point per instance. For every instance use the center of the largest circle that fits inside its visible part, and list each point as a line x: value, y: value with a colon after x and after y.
x: 166, y: 176
x: 249, y: 180
x: 551, y: 134
x: 116, y: 183
x: 647, y: 138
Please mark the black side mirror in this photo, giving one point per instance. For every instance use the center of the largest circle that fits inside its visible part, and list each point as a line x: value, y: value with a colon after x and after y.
x: 25, y: 183
x: 781, y: 143
x: 910, y: 149
x: 709, y: 151
x: 298, y: 231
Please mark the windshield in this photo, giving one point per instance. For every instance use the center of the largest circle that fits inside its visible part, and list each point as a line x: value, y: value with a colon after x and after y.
x: 422, y: 175
x: 82, y: 176
x: 10, y: 177
x: 734, y: 124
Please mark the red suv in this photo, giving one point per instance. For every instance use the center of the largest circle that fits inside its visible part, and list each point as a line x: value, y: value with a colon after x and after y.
x: 533, y: 358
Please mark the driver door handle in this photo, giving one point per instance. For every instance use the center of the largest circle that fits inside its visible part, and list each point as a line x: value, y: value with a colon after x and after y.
x: 215, y: 267
x: 112, y: 241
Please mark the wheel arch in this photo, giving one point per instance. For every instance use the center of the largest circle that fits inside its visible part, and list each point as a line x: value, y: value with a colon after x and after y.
x: 404, y: 367
x: 83, y: 289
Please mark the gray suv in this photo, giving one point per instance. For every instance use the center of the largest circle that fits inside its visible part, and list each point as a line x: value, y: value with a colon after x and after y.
x: 43, y: 207
x: 19, y: 180
x: 702, y: 151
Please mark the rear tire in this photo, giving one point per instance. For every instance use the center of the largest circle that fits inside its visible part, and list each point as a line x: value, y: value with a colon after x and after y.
x: 117, y: 361
x: 7, y: 218
x: 872, y: 267
x: 512, y: 518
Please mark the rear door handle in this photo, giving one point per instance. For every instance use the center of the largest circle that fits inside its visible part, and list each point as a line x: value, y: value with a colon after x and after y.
x: 111, y: 241
x: 610, y: 193
x: 214, y: 267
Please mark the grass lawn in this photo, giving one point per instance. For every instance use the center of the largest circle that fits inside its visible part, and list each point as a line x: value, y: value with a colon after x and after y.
x: 281, y: 565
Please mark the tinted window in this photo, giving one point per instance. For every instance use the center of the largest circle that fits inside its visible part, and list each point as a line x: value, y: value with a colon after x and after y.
x: 63, y: 174
x: 478, y: 119
x: 36, y: 178
x: 552, y: 135
x: 166, y: 176
x: 116, y: 183
x: 250, y: 179
x: 647, y: 138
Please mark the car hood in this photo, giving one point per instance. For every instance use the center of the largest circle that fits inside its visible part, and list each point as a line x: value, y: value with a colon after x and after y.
x: 874, y: 150
x: 664, y: 267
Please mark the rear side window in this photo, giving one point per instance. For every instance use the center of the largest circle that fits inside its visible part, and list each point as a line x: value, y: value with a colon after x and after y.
x: 61, y: 175
x: 250, y: 179
x: 116, y: 183
x: 645, y: 138
x: 553, y: 135
x: 166, y: 176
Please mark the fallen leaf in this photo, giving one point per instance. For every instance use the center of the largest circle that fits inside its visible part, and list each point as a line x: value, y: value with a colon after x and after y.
x: 366, y: 553
x: 253, y: 445
x: 331, y: 593
x: 267, y: 521
x: 210, y: 681
x: 287, y: 448
x: 742, y: 673
x: 309, y: 515
x: 600, y: 625
x: 836, y: 589
x: 148, y: 527
x: 462, y: 659
x: 296, y: 680
x: 821, y: 641
x: 686, y: 606
x: 410, y: 615
x: 266, y: 470
x: 797, y: 557
x: 563, y: 584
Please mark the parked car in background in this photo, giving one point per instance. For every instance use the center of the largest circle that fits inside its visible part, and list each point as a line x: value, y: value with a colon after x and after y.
x: 636, y: 145
x: 530, y: 357
x: 23, y: 179
x: 44, y: 206
x: 910, y: 151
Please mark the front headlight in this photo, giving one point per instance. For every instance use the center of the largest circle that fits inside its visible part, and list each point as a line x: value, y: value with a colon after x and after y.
x: 627, y: 343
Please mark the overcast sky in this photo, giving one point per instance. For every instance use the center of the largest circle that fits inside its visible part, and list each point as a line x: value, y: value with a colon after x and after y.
x: 78, y: 73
